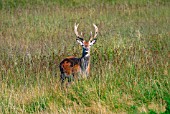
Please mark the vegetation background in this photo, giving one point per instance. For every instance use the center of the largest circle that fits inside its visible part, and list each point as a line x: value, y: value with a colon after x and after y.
x: 129, y: 63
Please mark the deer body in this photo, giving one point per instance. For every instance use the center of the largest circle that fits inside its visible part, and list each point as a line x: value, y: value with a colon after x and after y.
x: 72, y: 67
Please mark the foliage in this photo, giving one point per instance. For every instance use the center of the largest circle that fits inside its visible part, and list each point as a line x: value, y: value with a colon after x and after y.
x: 129, y: 62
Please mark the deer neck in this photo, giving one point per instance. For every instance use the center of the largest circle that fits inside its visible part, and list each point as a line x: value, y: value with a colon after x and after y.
x: 85, y: 60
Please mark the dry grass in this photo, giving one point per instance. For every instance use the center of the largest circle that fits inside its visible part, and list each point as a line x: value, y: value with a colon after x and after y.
x: 130, y: 61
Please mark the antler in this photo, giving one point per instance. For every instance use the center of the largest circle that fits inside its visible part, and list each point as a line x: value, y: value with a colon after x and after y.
x: 96, y: 32
x: 75, y: 30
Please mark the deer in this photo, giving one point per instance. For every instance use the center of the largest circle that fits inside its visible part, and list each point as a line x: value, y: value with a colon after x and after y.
x: 71, y: 67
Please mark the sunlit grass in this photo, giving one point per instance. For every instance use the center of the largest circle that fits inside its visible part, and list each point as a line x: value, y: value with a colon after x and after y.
x: 129, y: 62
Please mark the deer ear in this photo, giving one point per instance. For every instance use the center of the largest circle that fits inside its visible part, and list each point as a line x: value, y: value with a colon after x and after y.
x: 80, y: 41
x: 93, y: 42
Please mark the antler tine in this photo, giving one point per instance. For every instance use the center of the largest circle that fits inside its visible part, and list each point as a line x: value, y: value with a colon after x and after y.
x: 75, y: 30
x: 95, y: 34
x: 96, y: 30
x: 91, y: 35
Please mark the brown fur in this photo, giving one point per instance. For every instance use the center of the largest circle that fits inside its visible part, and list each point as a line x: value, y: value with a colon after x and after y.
x: 72, y: 66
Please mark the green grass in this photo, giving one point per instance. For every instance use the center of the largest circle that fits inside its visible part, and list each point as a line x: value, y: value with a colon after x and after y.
x: 129, y: 62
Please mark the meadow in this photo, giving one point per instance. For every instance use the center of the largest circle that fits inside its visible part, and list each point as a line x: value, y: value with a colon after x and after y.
x: 129, y: 62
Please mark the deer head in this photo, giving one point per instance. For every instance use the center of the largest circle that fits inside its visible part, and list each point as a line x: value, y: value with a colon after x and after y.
x: 86, y: 44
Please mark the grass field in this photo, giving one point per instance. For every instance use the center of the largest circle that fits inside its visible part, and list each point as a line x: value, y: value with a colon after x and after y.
x: 129, y: 63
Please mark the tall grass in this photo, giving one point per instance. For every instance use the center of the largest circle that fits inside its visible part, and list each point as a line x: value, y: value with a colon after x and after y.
x: 129, y: 65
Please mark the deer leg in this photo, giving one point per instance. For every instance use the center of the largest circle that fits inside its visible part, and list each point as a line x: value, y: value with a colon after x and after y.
x: 62, y: 79
x: 70, y: 78
x: 73, y: 76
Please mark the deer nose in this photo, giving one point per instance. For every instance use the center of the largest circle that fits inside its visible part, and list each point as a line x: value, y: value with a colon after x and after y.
x: 87, y: 49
